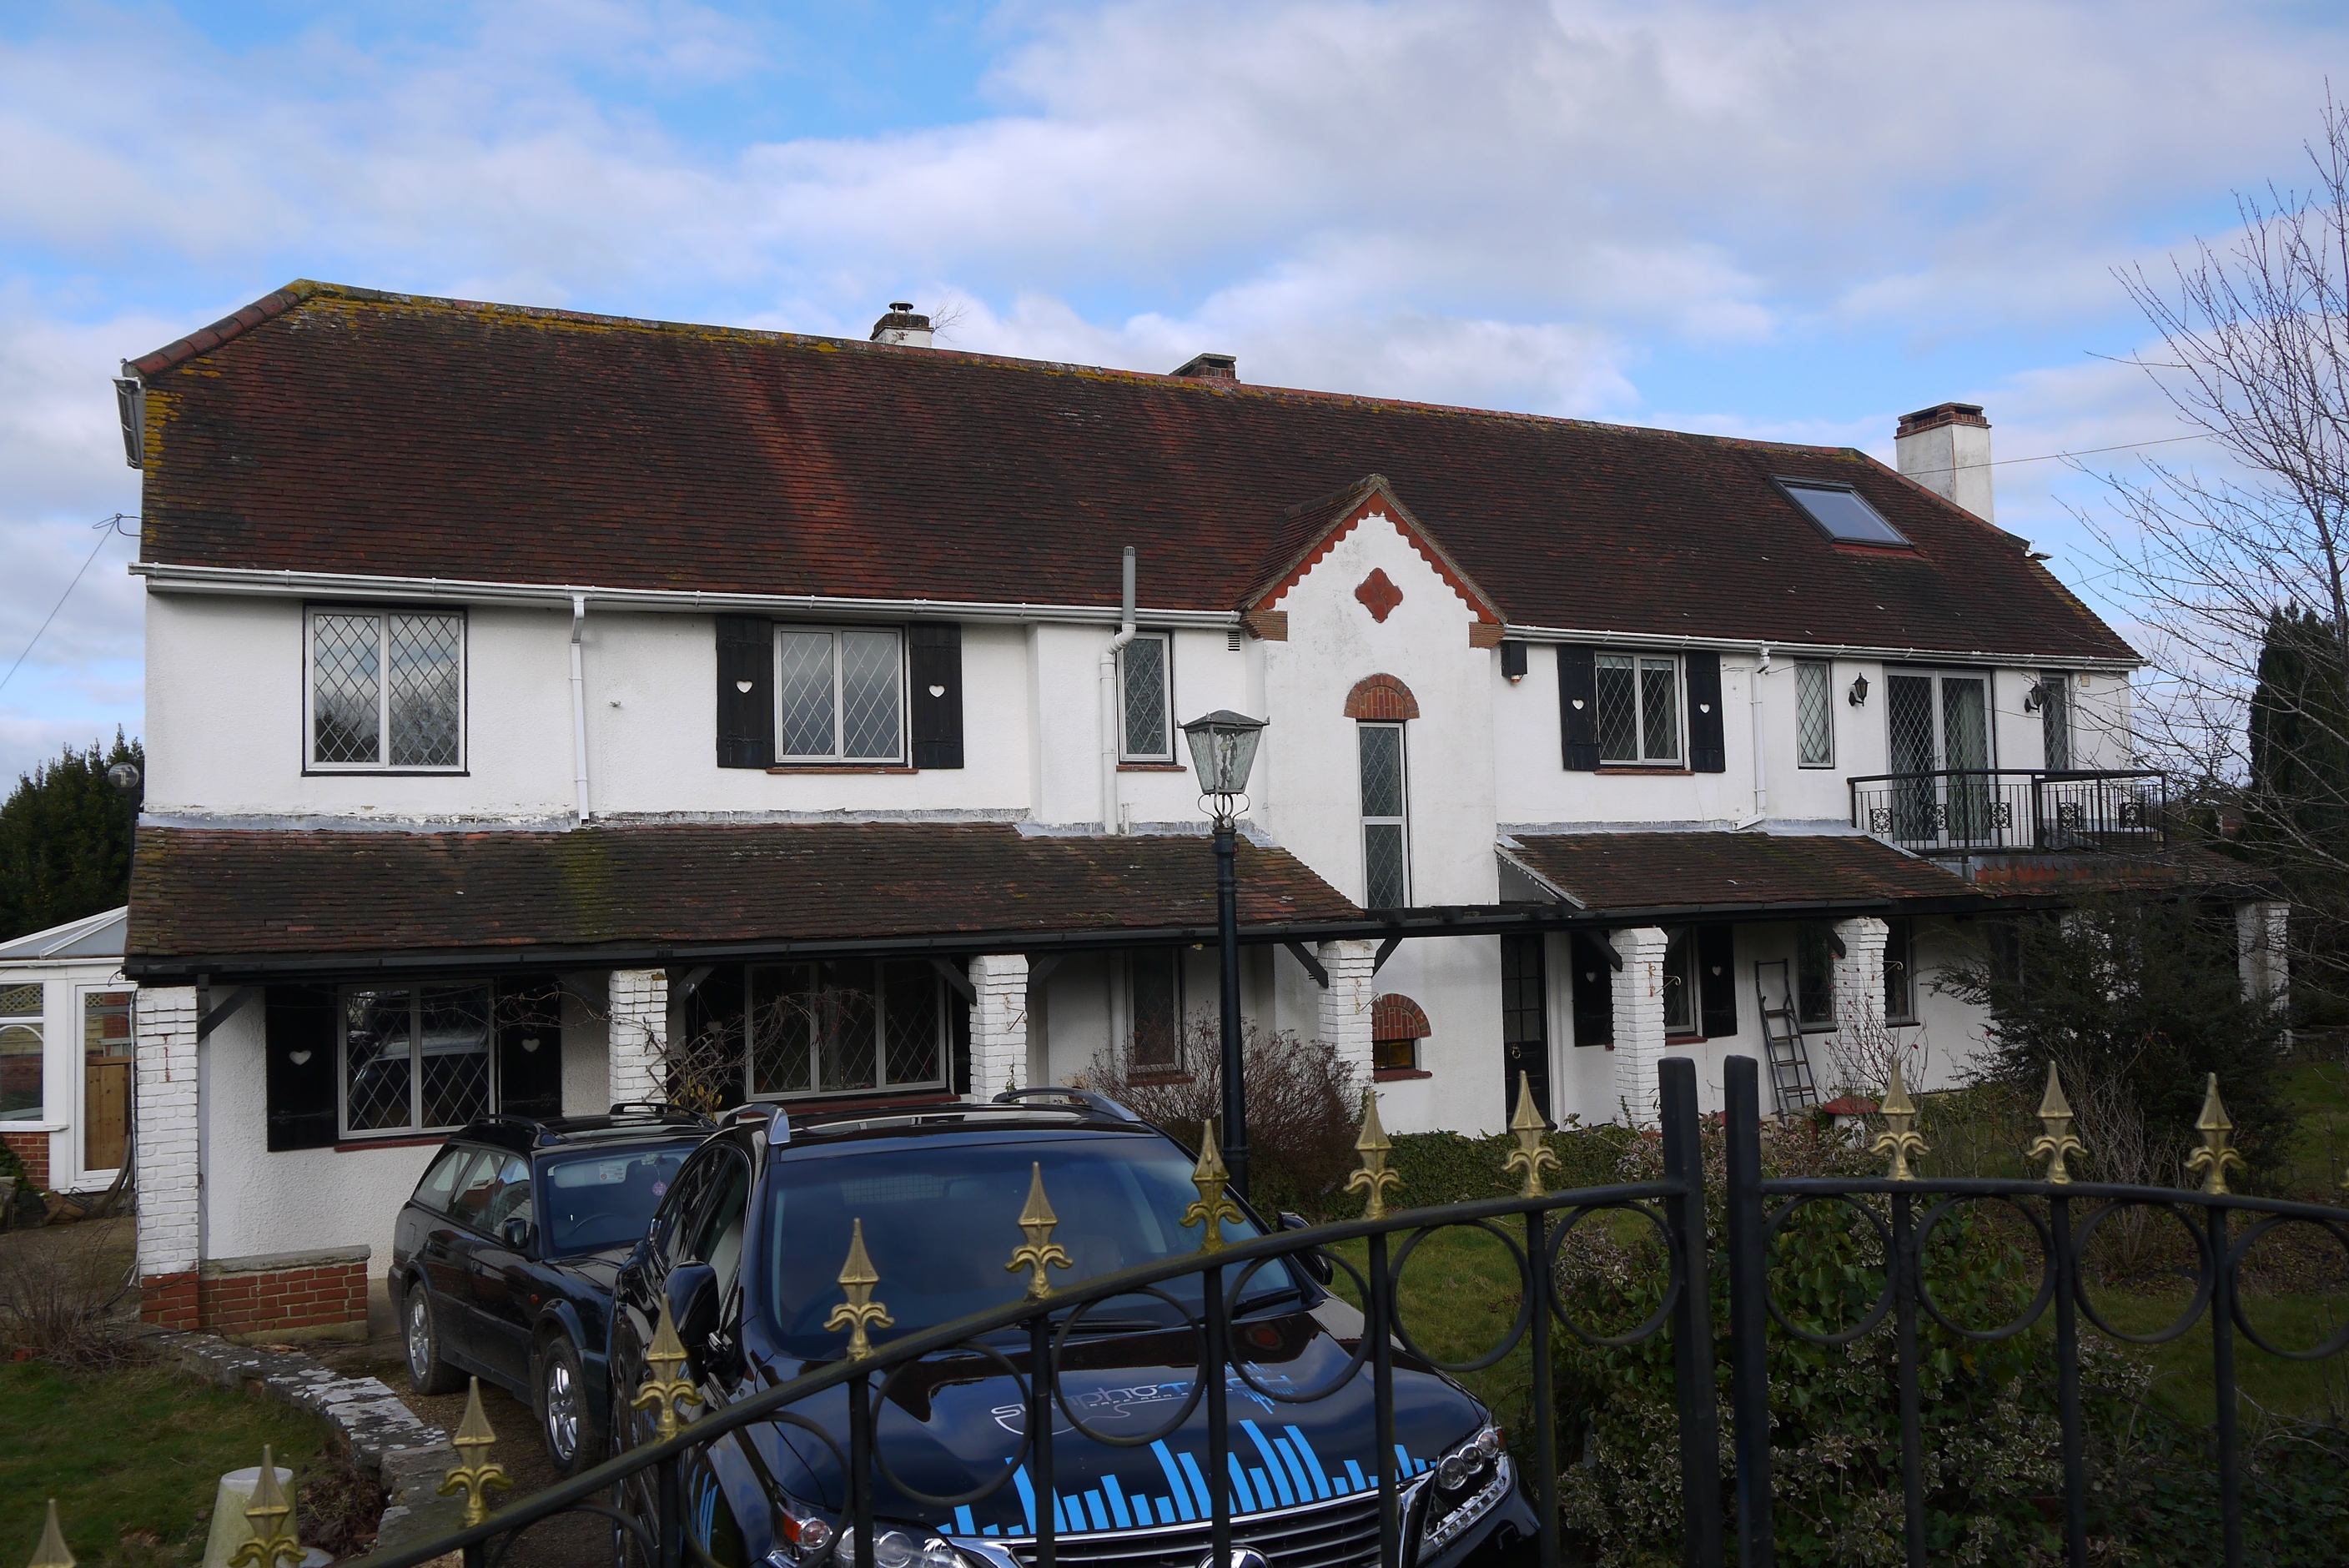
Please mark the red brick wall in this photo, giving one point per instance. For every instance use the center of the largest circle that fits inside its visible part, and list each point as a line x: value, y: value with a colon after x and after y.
x: 258, y: 1302
x: 169, y: 1300
x: 33, y: 1149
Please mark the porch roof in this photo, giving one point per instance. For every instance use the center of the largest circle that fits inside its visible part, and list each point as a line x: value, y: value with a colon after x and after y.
x: 1722, y: 871
x: 231, y: 902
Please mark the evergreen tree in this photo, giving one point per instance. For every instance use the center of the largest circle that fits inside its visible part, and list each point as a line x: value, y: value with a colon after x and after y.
x: 2299, y: 737
x: 64, y: 838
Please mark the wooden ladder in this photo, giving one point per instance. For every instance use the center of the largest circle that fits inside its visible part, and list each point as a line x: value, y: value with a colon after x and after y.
x: 1782, y: 1038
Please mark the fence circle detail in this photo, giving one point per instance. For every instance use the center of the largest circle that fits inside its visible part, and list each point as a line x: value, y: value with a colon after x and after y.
x: 2205, y: 1273
x: 1674, y: 1283
x: 1884, y: 1301
x: 880, y: 1400
x: 1525, y: 1299
x: 2242, y: 1249
x: 1057, y: 1395
x: 1353, y: 1362
x: 2047, y: 1273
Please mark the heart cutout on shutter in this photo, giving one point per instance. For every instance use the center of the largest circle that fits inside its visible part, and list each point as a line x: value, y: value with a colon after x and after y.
x: 1705, y: 707
x: 299, y: 1058
x: 530, y: 1045
x: 937, y: 691
x: 1577, y: 704
x: 742, y: 686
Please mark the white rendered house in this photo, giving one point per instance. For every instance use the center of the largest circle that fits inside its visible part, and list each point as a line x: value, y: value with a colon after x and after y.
x: 531, y: 694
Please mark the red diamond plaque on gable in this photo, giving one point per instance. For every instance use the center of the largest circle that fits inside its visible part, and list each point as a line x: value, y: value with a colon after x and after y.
x: 1378, y: 594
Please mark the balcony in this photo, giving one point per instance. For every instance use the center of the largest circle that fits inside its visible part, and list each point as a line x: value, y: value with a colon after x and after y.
x: 1971, y: 810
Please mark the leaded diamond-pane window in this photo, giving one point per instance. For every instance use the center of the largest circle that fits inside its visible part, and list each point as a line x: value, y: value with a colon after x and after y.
x: 416, y: 1058
x: 1143, y: 671
x: 387, y: 689
x: 844, y: 1026
x: 839, y: 695
x: 1637, y: 717
x: 1386, y: 862
x: 1157, y: 996
x: 1813, y: 714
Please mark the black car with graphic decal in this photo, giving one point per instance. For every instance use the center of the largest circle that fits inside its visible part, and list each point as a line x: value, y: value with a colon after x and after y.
x: 503, y: 1258
x: 745, y: 1254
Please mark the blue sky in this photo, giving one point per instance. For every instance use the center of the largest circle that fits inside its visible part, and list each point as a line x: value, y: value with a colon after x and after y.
x: 1790, y: 220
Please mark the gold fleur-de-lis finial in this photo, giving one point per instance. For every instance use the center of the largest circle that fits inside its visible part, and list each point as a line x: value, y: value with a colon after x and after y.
x: 472, y: 1474
x: 1210, y: 1178
x: 1042, y: 1251
x: 51, y: 1552
x: 860, y: 1311
x: 1373, y: 1146
x: 2055, y: 1115
x: 663, y: 1391
x: 1532, y: 1134
x: 272, y: 1543
x: 2210, y: 1161
x: 1899, y: 1139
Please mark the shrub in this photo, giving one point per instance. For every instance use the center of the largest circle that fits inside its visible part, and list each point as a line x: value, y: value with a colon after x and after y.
x: 1303, y: 1109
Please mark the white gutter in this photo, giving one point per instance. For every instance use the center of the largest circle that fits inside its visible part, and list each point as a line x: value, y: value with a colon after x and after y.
x: 165, y: 577
x: 1761, y: 778
x: 578, y: 707
x: 1110, y: 749
x: 1663, y: 642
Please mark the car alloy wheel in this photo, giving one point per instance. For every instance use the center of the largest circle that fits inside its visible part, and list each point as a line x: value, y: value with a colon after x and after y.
x: 559, y: 1394
x: 425, y: 1369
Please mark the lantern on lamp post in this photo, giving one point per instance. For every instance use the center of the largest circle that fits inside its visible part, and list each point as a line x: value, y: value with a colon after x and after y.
x: 1223, y: 750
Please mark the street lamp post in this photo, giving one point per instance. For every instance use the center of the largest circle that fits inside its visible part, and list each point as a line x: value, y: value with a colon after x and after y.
x: 1223, y: 750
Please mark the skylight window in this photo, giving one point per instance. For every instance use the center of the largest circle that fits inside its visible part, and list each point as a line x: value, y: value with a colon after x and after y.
x: 1841, y: 515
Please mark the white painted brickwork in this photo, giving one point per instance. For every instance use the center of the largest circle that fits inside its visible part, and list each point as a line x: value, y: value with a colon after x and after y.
x: 1858, y: 977
x: 1639, y: 999
x: 640, y: 1032
x: 170, y: 1230
x: 998, y: 1023
x: 1344, y: 1022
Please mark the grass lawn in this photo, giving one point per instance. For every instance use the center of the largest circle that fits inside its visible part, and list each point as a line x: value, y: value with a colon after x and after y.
x: 1460, y: 1294
x: 2320, y: 1148
x: 127, y: 1451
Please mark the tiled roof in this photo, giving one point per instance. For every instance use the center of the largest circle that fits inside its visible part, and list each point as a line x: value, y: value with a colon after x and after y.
x: 341, y: 430
x: 202, y: 894
x: 1718, y: 870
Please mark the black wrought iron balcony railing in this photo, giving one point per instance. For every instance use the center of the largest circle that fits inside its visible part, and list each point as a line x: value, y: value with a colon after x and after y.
x: 2014, y: 809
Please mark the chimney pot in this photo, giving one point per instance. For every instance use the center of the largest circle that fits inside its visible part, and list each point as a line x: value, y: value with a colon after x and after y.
x: 1210, y: 368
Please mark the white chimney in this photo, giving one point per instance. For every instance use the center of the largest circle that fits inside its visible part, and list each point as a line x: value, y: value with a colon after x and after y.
x: 1946, y: 448
x: 902, y: 326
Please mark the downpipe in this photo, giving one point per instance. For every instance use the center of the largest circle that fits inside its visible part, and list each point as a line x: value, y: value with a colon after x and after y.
x: 578, y: 708
x: 1110, y: 817
x: 1761, y: 773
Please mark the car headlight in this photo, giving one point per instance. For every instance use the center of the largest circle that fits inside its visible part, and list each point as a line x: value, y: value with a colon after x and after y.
x: 1466, y: 1485
x: 894, y: 1547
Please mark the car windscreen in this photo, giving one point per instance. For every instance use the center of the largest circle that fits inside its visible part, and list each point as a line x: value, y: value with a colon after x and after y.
x: 599, y: 1198
x: 941, y: 1223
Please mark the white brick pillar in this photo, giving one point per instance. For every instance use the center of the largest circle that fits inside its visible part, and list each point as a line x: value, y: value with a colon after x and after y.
x: 640, y: 1032
x: 998, y: 1023
x: 171, y: 1223
x: 1344, y: 1022
x: 1859, y: 975
x: 1639, y: 999
x: 2261, y: 955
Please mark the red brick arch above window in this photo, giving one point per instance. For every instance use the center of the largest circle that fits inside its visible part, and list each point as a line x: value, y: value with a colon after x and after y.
x: 1394, y: 1017
x: 1380, y: 697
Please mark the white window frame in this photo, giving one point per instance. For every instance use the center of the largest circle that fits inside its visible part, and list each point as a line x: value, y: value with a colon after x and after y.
x: 1403, y: 787
x: 1167, y: 714
x: 38, y: 1023
x: 1825, y: 668
x: 83, y: 993
x: 383, y: 613
x: 836, y: 757
x: 412, y: 1128
x: 1641, y: 658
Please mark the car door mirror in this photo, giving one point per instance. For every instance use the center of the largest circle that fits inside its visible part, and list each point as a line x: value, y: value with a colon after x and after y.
x: 1314, y: 1263
x: 518, y: 1234
x: 692, y: 1293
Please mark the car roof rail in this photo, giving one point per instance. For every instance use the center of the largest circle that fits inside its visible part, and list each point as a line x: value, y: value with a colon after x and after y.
x: 654, y: 1107
x: 1085, y: 1097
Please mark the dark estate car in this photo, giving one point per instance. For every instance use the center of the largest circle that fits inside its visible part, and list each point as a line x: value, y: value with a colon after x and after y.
x: 503, y: 1261
x: 745, y: 1251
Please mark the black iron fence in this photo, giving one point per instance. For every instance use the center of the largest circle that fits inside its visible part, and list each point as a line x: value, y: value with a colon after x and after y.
x: 1029, y: 1341
x: 2013, y: 808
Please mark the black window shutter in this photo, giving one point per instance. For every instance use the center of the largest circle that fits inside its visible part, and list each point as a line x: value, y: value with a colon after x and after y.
x: 1577, y: 701
x: 746, y: 692
x: 529, y: 1049
x: 1707, y: 752
x: 1594, y: 988
x: 1717, y: 969
x: 300, y: 1077
x: 934, y: 663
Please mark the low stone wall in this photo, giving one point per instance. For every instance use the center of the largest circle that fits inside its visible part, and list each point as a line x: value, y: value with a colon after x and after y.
x: 407, y: 1454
